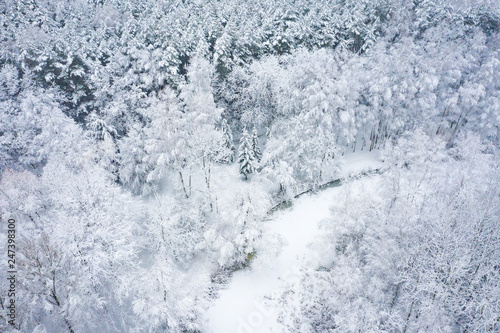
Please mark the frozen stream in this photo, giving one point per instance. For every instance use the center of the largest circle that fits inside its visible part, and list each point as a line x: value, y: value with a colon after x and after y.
x: 285, y: 247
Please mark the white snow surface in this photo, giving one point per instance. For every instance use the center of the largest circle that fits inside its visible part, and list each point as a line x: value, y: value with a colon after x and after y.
x: 284, y: 248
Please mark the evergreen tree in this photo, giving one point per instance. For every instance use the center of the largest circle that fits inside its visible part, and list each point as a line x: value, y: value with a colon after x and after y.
x: 246, y: 158
x: 256, y: 146
x: 228, y: 140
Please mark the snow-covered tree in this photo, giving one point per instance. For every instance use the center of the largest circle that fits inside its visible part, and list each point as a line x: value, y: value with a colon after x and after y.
x: 165, y: 143
x: 135, y: 165
x: 256, y: 146
x: 203, y: 139
x: 228, y: 140
x: 245, y: 156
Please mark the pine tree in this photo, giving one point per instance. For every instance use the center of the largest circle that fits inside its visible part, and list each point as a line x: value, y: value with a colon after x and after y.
x: 246, y: 158
x: 256, y: 146
x: 228, y: 140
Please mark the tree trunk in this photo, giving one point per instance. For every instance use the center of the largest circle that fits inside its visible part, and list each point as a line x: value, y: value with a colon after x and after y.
x: 206, y: 171
x: 56, y: 300
x: 183, y: 186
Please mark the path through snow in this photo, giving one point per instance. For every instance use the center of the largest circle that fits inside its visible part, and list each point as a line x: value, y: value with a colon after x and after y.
x: 242, y: 307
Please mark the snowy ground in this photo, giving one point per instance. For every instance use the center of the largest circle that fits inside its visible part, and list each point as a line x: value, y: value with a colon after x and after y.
x: 284, y: 248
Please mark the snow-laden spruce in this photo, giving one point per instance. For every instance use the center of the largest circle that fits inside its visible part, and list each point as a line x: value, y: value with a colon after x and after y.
x: 246, y: 158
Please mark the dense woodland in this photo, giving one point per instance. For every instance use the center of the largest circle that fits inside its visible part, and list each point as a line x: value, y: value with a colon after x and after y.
x: 119, y: 121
